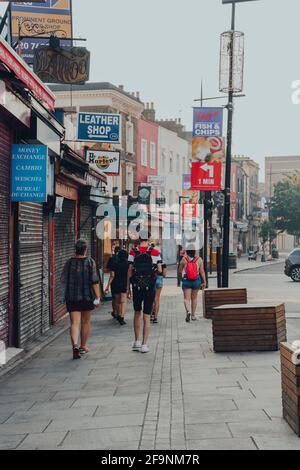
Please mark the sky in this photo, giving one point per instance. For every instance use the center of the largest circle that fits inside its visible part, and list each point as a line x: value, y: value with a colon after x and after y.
x: 164, y: 48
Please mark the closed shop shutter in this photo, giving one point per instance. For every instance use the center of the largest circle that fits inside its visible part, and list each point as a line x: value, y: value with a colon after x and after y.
x: 46, y: 275
x: 64, y: 241
x: 5, y: 146
x: 30, y: 271
x: 85, y: 225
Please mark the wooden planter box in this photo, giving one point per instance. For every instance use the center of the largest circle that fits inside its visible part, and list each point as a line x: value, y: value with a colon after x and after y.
x: 290, y: 375
x: 216, y: 297
x: 238, y: 328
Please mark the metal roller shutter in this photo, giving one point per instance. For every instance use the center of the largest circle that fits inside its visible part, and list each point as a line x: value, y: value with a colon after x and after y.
x: 46, y: 275
x: 64, y: 241
x: 85, y: 225
x: 30, y: 271
x: 5, y: 145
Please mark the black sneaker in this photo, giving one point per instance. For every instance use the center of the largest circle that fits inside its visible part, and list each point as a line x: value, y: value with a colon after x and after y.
x: 188, y: 317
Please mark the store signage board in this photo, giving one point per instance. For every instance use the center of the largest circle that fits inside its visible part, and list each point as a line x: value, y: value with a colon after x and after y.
x: 34, y: 22
x: 107, y: 162
x: 67, y: 65
x: 207, y: 176
x: 15, y: 63
x: 99, y: 127
x: 29, y: 173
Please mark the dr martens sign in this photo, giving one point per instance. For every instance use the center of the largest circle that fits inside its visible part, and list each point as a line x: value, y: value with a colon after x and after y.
x: 65, y: 65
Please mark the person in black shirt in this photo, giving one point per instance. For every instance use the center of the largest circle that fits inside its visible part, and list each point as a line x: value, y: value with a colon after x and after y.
x: 110, y: 268
x: 82, y: 294
x: 118, y: 284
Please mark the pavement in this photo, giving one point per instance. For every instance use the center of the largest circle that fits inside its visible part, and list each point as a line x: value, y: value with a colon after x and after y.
x: 179, y: 396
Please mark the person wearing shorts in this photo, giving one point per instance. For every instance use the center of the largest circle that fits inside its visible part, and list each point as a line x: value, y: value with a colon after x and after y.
x: 118, y: 284
x: 191, y: 288
x: 143, y: 299
x: 80, y: 279
x: 158, y: 290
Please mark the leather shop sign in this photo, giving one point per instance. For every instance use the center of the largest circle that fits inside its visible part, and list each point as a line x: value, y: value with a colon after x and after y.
x: 65, y: 65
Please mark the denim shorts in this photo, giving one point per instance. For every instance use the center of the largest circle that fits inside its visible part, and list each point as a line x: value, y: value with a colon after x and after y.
x: 194, y: 285
x: 159, y: 282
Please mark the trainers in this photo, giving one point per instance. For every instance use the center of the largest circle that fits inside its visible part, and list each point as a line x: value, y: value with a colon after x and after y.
x: 137, y: 345
x: 188, y: 317
x: 144, y: 349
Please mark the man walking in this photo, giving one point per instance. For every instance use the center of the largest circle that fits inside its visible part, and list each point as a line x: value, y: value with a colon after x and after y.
x: 144, y: 263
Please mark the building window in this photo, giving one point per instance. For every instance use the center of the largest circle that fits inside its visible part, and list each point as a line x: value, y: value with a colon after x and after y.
x: 171, y: 163
x: 144, y: 153
x: 178, y: 164
x: 129, y: 137
x: 152, y: 155
x: 129, y: 179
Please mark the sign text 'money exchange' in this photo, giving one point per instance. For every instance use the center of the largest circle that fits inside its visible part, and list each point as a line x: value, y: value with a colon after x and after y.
x: 94, y: 127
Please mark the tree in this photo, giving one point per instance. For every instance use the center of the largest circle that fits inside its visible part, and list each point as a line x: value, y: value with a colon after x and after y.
x: 285, y: 206
x: 268, y: 233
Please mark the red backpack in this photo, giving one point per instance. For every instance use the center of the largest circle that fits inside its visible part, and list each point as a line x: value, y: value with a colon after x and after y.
x: 192, y: 270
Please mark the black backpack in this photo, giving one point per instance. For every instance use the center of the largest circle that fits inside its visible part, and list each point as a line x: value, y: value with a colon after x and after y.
x: 144, y: 271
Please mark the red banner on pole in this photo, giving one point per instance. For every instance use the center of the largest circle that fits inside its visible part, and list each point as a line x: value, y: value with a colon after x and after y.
x: 207, y: 176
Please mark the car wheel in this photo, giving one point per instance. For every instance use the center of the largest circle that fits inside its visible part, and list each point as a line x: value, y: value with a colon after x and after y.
x: 295, y: 274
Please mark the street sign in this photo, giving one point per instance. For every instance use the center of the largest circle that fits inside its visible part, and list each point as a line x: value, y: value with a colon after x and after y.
x: 206, y: 176
x: 96, y: 127
x: 157, y: 182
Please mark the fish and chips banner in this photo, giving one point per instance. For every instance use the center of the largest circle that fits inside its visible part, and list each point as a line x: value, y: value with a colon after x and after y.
x: 208, y: 149
x: 32, y: 23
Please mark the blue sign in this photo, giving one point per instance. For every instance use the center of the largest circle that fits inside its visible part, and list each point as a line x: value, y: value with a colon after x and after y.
x: 29, y: 173
x: 94, y: 127
x: 208, y: 122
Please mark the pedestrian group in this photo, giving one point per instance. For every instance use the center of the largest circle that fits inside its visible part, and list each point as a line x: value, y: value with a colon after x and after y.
x: 137, y: 275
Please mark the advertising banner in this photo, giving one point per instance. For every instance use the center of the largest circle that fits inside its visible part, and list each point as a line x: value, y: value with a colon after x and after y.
x: 34, y: 22
x: 208, y: 149
x: 191, y: 195
x: 108, y: 162
x: 95, y: 127
x: 190, y: 211
x: 29, y: 173
x: 207, y: 176
x: 208, y: 122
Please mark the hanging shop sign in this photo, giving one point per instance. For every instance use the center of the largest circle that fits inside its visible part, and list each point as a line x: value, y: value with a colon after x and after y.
x: 107, y: 162
x: 29, y: 173
x: 208, y: 122
x: 95, y: 127
x: 190, y: 210
x: 144, y: 195
x: 157, y: 182
x: 193, y: 196
x: 186, y: 181
x: 208, y: 149
x: 66, y: 65
x: 207, y: 176
x: 14, y: 63
x: 32, y: 23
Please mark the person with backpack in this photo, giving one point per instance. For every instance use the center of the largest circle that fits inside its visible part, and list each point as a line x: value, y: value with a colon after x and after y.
x: 194, y: 279
x: 144, y: 263
x: 80, y: 279
x: 118, y: 284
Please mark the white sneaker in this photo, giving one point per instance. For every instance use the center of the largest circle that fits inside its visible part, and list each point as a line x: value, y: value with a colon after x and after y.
x: 137, y: 345
x: 144, y: 349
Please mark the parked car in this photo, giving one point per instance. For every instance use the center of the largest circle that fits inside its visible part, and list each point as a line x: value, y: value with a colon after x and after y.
x: 292, y: 265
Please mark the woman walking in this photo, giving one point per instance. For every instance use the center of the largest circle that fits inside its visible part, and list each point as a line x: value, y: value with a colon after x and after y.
x: 82, y: 295
x: 194, y: 279
x: 158, y: 290
x: 118, y: 284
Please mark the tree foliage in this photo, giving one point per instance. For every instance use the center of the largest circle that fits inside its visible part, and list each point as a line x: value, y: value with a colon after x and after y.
x: 285, y: 206
x: 268, y: 232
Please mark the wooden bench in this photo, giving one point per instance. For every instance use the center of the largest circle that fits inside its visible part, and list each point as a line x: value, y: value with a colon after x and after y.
x: 216, y: 297
x: 290, y: 375
x: 238, y: 328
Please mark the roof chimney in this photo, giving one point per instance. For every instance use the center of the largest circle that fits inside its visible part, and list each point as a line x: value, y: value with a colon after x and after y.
x: 149, y: 112
x: 121, y: 87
